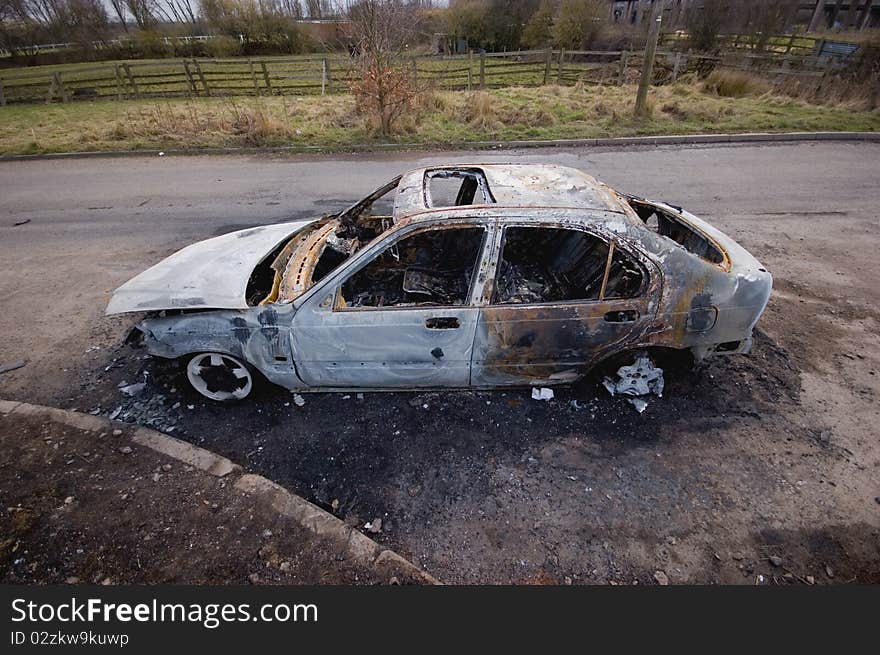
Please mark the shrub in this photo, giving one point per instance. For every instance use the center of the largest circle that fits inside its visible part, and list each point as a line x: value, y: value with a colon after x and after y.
x: 223, y: 46
x: 734, y: 84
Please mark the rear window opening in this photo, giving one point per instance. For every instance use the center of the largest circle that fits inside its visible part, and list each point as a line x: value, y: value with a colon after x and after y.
x: 456, y: 188
x: 668, y: 225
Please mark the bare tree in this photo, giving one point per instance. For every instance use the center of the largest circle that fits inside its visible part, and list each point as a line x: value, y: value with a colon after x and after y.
x: 177, y: 11
x: 121, y: 11
x: 24, y: 23
x: 704, y: 24
x: 383, y: 30
x: 143, y: 12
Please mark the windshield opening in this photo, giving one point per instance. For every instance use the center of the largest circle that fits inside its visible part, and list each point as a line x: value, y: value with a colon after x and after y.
x: 316, y: 251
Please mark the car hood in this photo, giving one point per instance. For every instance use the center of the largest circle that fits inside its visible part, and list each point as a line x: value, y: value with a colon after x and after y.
x: 210, y: 274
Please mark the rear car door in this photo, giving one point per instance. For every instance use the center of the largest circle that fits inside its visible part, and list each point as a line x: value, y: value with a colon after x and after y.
x: 562, y: 298
x: 402, y: 316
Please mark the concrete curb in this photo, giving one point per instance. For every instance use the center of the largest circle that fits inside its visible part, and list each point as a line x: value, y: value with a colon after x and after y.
x: 660, y: 140
x: 353, y: 544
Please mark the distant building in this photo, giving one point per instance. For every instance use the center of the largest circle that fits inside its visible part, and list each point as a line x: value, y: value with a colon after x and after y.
x: 809, y: 14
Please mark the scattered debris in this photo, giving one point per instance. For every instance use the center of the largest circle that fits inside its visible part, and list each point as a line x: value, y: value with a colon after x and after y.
x: 298, y: 400
x: 23, y: 221
x: 775, y: 560
x: 125, y: 450
x: 542, y: 394
x: 133, y: 389
x: 374, y: 526
x: 638, y: 379
x: 5, y: 368
x: 116, y: 412
x: 661, y: 578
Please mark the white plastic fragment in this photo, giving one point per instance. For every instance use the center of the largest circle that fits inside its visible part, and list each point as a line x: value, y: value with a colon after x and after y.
x: 640, y: 378
x: 542, y: 394
x: 298, y: 400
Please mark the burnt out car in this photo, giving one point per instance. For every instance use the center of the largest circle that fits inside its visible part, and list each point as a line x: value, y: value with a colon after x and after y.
x: 472, y: 276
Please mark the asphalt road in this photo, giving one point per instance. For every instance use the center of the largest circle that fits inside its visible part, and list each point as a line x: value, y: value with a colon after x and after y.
x: 787, y: 439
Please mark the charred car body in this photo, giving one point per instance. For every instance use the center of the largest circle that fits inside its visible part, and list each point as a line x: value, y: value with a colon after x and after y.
x: 476, y: 276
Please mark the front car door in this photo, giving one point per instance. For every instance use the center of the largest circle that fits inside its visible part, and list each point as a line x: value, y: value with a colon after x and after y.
x: 401, y: 315
x: 563, y: 297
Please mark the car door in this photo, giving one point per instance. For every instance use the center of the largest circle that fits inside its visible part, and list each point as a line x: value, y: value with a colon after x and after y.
x: 401, y: 315
x: 562, y: 298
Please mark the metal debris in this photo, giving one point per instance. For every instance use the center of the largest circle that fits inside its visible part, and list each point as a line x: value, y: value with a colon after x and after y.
x: 132, y: 389
x: 5, y: 368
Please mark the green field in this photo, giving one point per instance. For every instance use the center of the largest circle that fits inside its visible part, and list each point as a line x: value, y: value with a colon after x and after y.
x: 441, y: 117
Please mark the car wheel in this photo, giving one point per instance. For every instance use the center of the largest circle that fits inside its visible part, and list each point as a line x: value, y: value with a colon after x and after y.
x: 219, y: 376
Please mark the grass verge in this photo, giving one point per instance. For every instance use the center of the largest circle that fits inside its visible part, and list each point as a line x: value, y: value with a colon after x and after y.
x: 440, y: 117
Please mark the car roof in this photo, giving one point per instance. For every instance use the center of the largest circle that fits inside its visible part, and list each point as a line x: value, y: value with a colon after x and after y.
x: 514, y: 185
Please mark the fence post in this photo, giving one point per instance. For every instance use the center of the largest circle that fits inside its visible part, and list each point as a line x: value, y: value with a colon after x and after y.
x: 51, y: 93
x: 548, y: 61
x: 266, y: 76
x: 621, y: 73
x: 253, y: 76
x: 201, y: 75
x: 134, y: 86
x: 323, y: 76
x: 559, y: 67
x: 329, y: 76
x: 62, y: 89
x: 648, y: 65
x: 676, y: 66
x: 790, y: 43
x: 118, y: 81
x: 2, y: 96
x: 482, y: 70
x: 189, y: 78
x: 415, y: 71
x: 56, y: 86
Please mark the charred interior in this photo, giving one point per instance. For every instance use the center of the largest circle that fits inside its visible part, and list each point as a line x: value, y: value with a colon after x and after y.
x: 429, y: 268
x: 310, y: 255
x: 667, y: 225
x: 556, y: 265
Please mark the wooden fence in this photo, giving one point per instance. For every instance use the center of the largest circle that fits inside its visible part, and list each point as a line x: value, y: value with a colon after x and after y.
x: 781, y: 44
x: 323, y: 75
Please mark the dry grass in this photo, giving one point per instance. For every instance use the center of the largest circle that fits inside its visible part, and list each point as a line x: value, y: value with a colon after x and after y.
x: 438, y: 117
x: 734, y: 84
x: 478, y: 110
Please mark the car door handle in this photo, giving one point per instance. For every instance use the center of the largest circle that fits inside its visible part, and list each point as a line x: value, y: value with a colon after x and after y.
x: 625, y: 316
x: 442, y: 323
